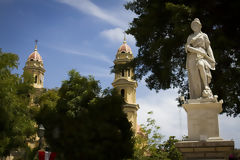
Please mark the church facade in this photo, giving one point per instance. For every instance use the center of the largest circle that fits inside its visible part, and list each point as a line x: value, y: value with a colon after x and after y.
x: 125, y: 84
x: 123, y: 80
x: 34, y: 65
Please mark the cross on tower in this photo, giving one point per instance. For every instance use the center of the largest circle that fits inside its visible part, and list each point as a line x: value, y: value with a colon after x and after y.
x: 36, y: 44
x: 124, y: 39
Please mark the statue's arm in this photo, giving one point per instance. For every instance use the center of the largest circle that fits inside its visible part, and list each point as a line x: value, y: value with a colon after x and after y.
x: 209, y: 49
x: 202, y: 52
x: 186, y: 50
x: 187, y: 45
x: 190, y: 48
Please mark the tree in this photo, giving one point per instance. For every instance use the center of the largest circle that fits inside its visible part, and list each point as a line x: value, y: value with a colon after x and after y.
x: 83, y: 122
x: 16, y: 123
x: 161, y: 30
x: 171, y: 149
x: 149, y: 145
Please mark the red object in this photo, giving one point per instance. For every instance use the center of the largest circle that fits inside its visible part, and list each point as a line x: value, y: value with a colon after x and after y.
x: 52, y: 155
x: 42, y: 155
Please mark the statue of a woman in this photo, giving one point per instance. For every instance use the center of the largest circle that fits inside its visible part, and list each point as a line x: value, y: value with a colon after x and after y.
x: 200, y: 61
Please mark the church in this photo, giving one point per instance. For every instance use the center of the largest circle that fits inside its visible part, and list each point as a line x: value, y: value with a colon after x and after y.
x: 123, y: 81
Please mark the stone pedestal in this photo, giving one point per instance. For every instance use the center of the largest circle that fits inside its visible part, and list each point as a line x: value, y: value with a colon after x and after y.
x: 203, y: 140
x: 202, y: 120
x: 207, y: 150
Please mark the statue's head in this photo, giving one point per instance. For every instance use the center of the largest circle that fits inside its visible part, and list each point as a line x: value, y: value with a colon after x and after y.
x: 196, y: 25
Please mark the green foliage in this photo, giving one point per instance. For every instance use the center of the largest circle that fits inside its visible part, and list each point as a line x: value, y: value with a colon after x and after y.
x: 82, y: 122
x: 161, y: 30
x: 30, y: 154
x: 170, y: 148
x: 149, y: 146
x: 16, y: 124
x: 48, y: 99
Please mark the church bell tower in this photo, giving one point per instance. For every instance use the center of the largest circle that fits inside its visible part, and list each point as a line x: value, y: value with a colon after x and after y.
x: 124, y: 83
x: 34, y: 65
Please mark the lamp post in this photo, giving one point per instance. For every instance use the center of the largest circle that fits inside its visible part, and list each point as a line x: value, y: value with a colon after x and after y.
x: 44, y: 154
x: 41, y: 131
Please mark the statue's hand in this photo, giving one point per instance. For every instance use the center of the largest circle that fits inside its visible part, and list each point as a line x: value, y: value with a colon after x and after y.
x: 196, y: 50
x: 201, y: 52
x: 187, y: 48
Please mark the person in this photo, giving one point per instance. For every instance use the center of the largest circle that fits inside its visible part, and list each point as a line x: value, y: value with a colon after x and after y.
x: 200, y: 61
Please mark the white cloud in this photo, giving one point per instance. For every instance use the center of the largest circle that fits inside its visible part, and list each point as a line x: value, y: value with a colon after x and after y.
x: 116, y: 35
x: 173, y: 120
x: 98, y: 72
x: 89, y: 54
x: 87, y: 7
x: 229, y: 129
x: 165, y: 111
x: 119, y: 18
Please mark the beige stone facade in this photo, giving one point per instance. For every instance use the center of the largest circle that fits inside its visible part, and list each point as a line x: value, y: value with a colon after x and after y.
x: 202, y: 120
x: 34, y: 65
x: 203, y: 140
x: 203, y: 150
x: 125, y: 84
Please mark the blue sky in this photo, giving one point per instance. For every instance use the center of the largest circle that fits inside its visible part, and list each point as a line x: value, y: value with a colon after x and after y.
x: 85, y: 35
x: 77, y: 34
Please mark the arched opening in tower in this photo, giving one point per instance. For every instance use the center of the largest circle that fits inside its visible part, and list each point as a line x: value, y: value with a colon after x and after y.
x: 123, y: 73
x: 123, y: 93
x: 35, y: 79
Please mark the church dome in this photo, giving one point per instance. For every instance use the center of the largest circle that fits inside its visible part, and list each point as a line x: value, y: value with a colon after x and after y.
x: 124, y: 48
x: 35, y: 56
x: 124, y: 52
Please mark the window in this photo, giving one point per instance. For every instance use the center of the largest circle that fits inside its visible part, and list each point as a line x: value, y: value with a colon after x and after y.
x: 122, y: 93
x: 35, y: 79
x: 123, y: 73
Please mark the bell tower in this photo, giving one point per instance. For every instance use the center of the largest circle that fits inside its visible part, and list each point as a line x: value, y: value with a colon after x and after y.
x: 124, y: 83
x: 34, y: 65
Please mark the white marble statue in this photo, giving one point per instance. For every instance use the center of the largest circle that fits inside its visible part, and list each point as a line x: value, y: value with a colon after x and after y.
x: 200, y: 61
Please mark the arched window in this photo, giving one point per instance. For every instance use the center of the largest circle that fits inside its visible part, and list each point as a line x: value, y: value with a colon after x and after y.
x: 35, y: 79
x: 123, y: 93
x: 123, y: 73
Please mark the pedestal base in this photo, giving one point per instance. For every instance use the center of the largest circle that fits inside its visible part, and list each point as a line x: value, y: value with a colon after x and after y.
x: 199, y: 150
x: 203, y: 120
